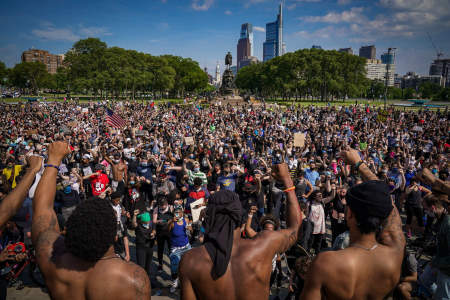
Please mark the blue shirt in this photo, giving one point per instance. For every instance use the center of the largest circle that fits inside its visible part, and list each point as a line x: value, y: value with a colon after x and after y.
x: 312, y: 176
x: 227, y: 182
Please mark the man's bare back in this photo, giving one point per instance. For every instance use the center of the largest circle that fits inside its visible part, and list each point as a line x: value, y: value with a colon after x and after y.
x: 248, y: 272
x: 370, y: 267
x: 354, y: 273
x: 69, y: 276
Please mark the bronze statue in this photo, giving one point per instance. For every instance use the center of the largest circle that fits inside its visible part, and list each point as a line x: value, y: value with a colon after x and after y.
x: 228, y: 60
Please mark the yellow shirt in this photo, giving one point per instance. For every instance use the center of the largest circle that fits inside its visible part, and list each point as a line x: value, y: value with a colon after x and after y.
x: 7, y: 172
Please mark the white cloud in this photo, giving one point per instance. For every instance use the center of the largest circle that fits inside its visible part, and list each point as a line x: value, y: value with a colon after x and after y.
x: 93, y: 31
x: 352, y: 15
x: 344, y: 2
x: 205, y: 4
x: 228, y: 12
x: 50, y: 32
x: 322, y: 33
x: 56, y: 34
x: 258, y: 28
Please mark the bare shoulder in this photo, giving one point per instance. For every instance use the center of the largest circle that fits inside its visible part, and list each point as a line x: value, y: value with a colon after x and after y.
x: 196, y: 258
x: 131, y: 280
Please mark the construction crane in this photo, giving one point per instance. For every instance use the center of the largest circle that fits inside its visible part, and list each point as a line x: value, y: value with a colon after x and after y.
x: 438, y: 52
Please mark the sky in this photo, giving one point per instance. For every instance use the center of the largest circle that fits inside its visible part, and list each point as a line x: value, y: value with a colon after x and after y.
x: 206, y: 30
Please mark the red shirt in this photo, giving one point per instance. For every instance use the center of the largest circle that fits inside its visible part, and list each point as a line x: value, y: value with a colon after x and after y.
x: 99, y: 183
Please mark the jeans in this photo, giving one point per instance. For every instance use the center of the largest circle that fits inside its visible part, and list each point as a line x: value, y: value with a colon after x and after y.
x: 443, y: 287
x: 175, y: 257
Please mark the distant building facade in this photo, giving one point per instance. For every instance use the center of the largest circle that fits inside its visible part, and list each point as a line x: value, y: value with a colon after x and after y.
x: 51, y: 61
x: 251, y: 60
x: 217, y: 80
x: 413, y: 80
x: 346, y: 50
x: 441, y: 67
x: 387, y: 58
x: 316, y: 47
x: 369, y: 52
x: 375, y: 70
x: 245, y: 43
x: 234, y: 70
x: 274, y: 45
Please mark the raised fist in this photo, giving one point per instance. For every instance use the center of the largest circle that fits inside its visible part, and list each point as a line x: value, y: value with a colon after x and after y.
x: 280, y: 173
x: 350, y: 156
x: 58, y: 150
x: 35, y: 162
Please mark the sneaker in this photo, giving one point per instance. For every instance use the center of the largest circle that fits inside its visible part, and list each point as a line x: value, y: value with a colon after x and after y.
x: 174, y: 286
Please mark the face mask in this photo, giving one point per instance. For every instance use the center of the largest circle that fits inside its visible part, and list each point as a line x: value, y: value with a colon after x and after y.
x: 133, y: 158
x: 196, y: 169
x: 434, y: 171
x: 430, y: 214
x: 132, y: 182
x: 177, y: 215
x: 144, y: 164
x: 67, y: 189
x: 146, y: 225
x: 116, y: 161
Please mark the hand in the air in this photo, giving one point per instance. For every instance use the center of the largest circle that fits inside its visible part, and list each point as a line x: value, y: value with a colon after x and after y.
x: 35, y: 162
x: 350, y: 156
x: 58, y: 150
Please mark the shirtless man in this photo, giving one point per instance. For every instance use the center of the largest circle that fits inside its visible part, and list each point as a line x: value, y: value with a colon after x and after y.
x: 82, y: 264
x: 228, y: 267
x: 370, y: 267
x: 119, y: 170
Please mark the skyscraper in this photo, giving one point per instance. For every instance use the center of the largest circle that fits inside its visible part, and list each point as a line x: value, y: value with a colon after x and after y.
x: 369, y: 52
x: 387, y: 58
x: 245, y: 43
x: 273, y: 46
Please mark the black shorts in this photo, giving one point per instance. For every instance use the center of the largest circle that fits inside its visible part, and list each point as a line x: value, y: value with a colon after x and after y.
x: 416, y: 211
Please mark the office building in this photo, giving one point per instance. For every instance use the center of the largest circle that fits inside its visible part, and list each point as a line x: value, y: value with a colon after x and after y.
x: 441, y: 67
x: 251, y: 60
x: 387, y: 58
x: 51, y: 61
x: 316, y: 47
x: 245, y: 43
x: 234, y: 70
x: 217, y: 80
x: 375, y: 70
x: 413, y: 81
x: 369, y: 52
x: 273, y: 46
x: 346, y: 50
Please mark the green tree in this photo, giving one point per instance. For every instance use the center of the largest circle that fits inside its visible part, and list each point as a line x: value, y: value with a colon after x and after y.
x: 29, y: 75
x: 428, y: 90
x: 3, y: 73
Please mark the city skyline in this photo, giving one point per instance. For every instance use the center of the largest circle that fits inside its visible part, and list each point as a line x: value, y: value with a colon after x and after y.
x: 206, y: 30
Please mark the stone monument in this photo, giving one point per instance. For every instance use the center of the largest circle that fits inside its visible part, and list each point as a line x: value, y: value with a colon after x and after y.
x: 228, y: 86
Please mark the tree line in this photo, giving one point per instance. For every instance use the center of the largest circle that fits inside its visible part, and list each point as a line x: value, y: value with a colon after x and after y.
x: 326, y: 75
x: 91, y: 67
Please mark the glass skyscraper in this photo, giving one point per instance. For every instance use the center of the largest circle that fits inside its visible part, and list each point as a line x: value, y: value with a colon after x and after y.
x: 273, y: 46
x: 245, y: 43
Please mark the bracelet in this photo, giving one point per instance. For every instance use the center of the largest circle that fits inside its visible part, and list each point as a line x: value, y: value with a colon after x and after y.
x: 358, y: 164
x: 52, y: 166
x: 292, y: 188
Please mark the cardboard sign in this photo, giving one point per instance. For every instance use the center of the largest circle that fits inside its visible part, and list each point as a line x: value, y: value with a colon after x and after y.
x: 72, y: 124
x: 141, y: 132
x: 85, y: 110
x: 32, y: 131
x: 299, y: 139
x: 189, y: 140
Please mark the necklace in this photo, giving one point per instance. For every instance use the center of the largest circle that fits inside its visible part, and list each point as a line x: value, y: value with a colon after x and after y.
x: 367, y: 249
x: 109, y: 257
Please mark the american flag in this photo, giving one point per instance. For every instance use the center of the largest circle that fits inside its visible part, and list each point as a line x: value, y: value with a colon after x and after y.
x: 114, y: 119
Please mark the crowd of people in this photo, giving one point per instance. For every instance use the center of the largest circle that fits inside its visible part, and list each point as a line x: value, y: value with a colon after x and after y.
x: 170, y: 168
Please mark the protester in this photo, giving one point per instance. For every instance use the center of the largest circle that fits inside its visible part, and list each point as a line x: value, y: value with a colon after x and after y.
x: 169, y: 155
x: 87, y: 247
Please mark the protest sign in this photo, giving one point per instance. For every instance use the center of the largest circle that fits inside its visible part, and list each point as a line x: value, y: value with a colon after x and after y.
x: 189, y: 140
x: 299, y: 139
x: 196, y: 208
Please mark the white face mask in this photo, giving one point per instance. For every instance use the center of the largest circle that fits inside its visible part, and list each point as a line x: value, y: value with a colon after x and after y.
x: 146, y: 225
